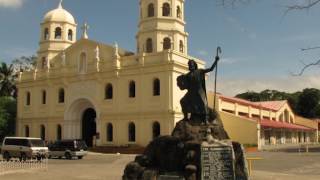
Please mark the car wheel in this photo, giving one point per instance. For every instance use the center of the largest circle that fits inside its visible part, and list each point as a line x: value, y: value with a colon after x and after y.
x: 68, y: 155
x: 80, y: 157
x: 6, y: 156
x: 23, y: 157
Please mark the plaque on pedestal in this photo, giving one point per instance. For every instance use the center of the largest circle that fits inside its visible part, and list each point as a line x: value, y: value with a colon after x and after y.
x: 217, y: 162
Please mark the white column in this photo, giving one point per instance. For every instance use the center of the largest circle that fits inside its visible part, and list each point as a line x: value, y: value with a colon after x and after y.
x: 259, y: 136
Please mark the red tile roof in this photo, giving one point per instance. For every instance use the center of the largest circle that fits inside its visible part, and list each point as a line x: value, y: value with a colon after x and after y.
x: 284, y: 125
x: 266, y: 105
x: 274, y: 105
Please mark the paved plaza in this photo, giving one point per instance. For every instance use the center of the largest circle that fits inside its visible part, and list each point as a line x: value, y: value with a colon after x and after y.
x: 275, y: 165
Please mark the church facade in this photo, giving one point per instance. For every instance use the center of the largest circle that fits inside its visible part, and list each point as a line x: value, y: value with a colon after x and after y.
x: 101, y: 93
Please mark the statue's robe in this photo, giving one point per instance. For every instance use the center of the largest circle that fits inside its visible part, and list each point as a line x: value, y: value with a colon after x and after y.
x: 195, y: 100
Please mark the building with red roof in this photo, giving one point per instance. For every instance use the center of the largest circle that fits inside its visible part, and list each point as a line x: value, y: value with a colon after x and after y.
x: 265, y: 124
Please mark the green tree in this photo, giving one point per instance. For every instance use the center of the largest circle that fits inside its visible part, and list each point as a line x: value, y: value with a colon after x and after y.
x: 293, y: 99
x: 266, y: 95
x: 7, y: 80
x: 250, y: 96
x: 308, y: 103
x: 8, y: 113
x: 25, y: 63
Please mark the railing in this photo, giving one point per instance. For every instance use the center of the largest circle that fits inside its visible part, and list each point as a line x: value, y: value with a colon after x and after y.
x: 250, y: 163
x: 14, y: 166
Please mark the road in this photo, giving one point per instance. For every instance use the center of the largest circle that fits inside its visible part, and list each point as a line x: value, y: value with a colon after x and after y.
x: 274, y: 166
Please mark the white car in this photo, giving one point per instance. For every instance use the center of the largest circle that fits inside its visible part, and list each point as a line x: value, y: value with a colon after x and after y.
x: 23, y: 148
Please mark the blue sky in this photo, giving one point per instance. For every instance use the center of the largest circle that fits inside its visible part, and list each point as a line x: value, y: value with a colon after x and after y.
x: 261, y: 45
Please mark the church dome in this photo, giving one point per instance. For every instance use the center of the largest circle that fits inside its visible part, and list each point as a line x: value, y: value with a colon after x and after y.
x: 59, y: 15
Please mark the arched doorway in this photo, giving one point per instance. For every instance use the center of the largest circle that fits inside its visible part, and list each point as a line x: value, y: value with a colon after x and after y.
x: 155, y: 130
x: 81, y: 121
x: 89, y: 126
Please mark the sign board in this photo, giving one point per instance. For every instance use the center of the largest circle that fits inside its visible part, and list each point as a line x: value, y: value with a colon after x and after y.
x: 217, y: 163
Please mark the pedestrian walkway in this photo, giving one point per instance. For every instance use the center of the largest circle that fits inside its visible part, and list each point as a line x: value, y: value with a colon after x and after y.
x: 14, y: 166
x: 292, y: 147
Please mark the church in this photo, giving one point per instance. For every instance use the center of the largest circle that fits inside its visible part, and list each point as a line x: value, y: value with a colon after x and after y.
x: 101, y: 93
x: 109, y: 96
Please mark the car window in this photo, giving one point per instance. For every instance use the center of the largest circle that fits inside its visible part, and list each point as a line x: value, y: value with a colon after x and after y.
x: 10, y: 142
x: 24, y: 142
x: 67, y: 144
x: 37, y: 143
x: 81, y: 144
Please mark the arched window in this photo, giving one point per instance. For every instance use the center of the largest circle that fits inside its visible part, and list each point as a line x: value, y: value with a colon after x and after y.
x: 155, y: 130
x: 132, y: 132
x: 178, y: 12
x: 181, y: 46
x: 109, y: 132
x: 26, y: 131
x: 109, y: 91
x: 156, y: 87
x: 42, y: 132
x: 70, y: 35
x: 61, y: 95
x: 58, y: 33
x: 46, y: 34
x: 149, y: 45
x: 43, y: 62
x: 59, y: 132
x: 28, y: 98
x: 44, y: 97
x: 166, y: 9
x: 132, y: 89
x: 166, y: 43
x: 151, y: 10
x: 83, y: 63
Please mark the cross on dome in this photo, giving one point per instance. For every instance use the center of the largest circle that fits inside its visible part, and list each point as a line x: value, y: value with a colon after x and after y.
x: 85, y: 28
x: 60, y: 5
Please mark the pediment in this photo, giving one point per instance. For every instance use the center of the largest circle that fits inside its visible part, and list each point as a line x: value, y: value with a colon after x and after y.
x: 70, y: 56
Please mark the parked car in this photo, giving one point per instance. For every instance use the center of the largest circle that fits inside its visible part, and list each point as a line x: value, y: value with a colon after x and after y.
x: 23, y: 148
x: 68, y: 149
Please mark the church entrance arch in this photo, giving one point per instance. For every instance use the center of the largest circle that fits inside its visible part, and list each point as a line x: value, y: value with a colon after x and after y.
x: 80, y: 122
x: 89, y: 126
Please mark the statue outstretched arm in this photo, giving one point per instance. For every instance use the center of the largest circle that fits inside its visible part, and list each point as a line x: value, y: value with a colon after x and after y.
x: 213, y: 65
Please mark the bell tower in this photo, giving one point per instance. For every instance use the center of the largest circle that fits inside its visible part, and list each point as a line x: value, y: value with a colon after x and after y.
x: 162, y: 26
x: 58, y: 32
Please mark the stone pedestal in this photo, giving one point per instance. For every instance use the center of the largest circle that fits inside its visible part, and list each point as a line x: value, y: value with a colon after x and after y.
x: 194, y: 151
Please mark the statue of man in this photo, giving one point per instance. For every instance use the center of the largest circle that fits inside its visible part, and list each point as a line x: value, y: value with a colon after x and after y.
x: 195, y: 101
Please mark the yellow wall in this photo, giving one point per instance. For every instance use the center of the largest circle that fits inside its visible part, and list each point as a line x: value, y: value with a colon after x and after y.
x: 239, y: 128
x: 306, y: 122
x: 309, y: 123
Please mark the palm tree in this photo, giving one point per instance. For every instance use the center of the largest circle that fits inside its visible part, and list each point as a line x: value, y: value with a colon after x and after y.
x: 7, y: 80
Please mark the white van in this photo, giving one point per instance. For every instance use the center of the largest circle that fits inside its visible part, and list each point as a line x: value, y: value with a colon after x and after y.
x: 23, y: 148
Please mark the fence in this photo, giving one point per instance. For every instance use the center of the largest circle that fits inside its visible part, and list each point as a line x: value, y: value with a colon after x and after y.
x: 13, y: 166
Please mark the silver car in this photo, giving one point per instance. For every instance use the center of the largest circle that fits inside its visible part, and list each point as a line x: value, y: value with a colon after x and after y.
x: 23, y: 148
x: 68, y: 149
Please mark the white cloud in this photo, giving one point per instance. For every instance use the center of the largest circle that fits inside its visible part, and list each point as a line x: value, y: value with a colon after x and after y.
x: 231, y: 60
x: 237, y: 25
x: 11, y: 3
x: 252, y: 35
x: 203, y: 52
x: 231, y: 87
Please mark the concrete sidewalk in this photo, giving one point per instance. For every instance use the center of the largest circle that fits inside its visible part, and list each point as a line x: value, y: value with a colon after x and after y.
x: 292, y: 148
x: 265, y: 175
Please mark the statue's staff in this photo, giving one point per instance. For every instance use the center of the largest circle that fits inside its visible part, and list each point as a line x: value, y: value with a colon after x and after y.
x: 216, y: 74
